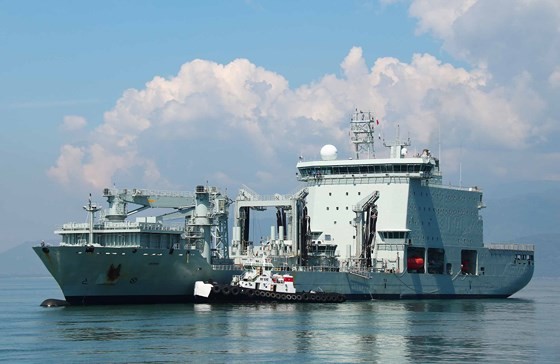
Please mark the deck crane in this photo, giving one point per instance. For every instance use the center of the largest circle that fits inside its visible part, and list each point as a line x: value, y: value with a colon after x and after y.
x: 366, y: 222
x: 205, y: 212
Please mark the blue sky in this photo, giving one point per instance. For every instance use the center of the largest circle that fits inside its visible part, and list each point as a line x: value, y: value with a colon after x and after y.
x: 171, y: 94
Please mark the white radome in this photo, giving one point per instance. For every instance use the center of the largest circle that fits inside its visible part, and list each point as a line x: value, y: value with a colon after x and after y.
x: 329, y: 152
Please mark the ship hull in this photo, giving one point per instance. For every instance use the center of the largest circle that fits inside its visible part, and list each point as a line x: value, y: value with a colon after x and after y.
x: 500, y: 275
x: 128, y: 275
x: 412, y: 285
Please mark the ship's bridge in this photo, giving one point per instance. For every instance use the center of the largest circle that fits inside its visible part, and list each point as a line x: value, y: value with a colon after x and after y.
x: 414, y: 167
x: 399, y: 164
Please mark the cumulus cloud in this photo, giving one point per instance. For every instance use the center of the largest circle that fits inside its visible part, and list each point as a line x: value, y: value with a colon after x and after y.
x: 427, y: 95
x: 554, y: 78
x: 70, y: 159
x: 438, y: 16
x: 509, y: 38
x: 516, y: 43
x: 240, y: 122
x: 73, y: 122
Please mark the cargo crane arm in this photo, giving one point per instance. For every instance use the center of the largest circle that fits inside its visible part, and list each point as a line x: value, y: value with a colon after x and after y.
x: 182, y: 202
x: 366, y: 225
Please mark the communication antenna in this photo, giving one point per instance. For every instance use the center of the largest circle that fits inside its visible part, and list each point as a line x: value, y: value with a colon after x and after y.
x: 461, y: 165
x: 439, y: 143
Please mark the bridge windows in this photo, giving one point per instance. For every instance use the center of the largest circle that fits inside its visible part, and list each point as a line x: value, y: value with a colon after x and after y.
x: 320, y: 171
x: 391, y: 235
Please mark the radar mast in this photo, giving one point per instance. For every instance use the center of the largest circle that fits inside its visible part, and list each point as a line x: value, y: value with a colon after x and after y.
x: 398, y: 147
x: 362, y: 133
x: 91, y: 208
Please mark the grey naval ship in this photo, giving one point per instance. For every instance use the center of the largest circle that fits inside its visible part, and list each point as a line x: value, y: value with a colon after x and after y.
x: 363, y: 227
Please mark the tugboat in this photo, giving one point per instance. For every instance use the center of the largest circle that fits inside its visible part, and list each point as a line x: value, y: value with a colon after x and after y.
x: 258, y: 283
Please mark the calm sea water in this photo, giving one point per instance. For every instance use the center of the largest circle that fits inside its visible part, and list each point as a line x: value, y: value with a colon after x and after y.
x: 524, y: 328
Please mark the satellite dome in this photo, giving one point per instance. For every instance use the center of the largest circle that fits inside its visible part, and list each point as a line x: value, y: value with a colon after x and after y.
x: 328, y: 152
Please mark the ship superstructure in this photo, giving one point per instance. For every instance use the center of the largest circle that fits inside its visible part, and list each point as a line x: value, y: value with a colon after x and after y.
x: 151, y: 259
x: 383, y: 227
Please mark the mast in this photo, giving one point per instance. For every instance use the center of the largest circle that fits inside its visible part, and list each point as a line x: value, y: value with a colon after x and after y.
x: 91, y: 209
x: 362, y: 127
x: 398, y: 147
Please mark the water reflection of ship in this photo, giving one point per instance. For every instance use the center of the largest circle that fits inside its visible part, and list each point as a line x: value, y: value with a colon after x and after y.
x: 446, y: 330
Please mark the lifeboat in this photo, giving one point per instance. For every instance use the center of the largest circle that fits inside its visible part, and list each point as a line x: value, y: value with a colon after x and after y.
x: 415, y: 263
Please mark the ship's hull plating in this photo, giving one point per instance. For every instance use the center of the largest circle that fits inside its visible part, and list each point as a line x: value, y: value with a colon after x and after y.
x: 128, y: 275
x: 411, y: 285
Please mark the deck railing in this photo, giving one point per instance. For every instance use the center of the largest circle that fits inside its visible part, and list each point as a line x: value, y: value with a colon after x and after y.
x: 509, y: 246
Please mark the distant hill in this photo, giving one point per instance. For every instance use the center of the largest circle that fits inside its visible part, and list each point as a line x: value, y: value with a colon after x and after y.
x: 547, y: 253
x: 22, y: 261
x: 532, y: 211
x: 527, y: 213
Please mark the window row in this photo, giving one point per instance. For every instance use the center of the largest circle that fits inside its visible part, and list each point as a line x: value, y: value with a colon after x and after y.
x: 364, y: 169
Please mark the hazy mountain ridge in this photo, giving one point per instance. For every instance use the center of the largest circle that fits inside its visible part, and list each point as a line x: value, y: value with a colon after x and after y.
x: 547, y: 253
x: 21, y: 261
x: 535, y: 213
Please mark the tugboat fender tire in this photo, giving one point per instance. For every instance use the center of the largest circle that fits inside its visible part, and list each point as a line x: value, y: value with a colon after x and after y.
x: 226, y: 290
x: 235, y: 291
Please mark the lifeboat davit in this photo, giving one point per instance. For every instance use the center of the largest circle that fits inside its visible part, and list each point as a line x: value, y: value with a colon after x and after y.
x: 415, y: 263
